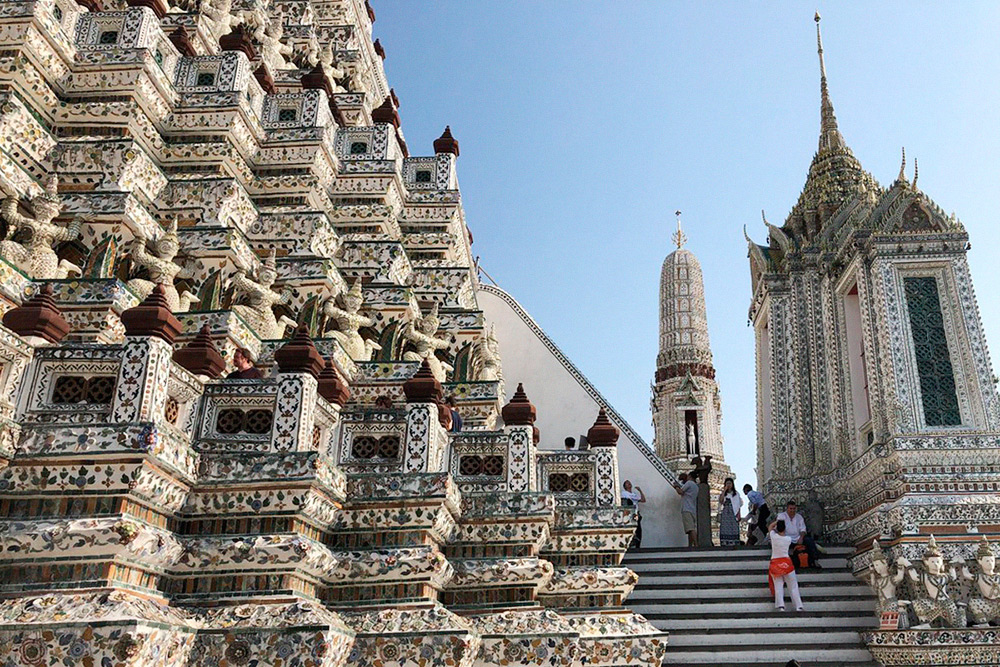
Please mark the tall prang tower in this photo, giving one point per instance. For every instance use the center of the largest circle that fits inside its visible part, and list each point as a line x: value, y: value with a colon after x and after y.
x: 876, y: 398
x: 184, y: 183
x: 687, y: 409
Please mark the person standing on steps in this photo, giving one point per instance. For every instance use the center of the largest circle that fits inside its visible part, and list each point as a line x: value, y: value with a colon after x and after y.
x: 688, y: 491
x: 797, y: 531
x: 760, y: 512
x: 781, y: 571
x: 632, y: 498
x: 730, y: 505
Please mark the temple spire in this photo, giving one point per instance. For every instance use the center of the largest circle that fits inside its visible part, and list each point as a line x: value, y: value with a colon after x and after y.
x: 679, y: 237
x: 829, y: 137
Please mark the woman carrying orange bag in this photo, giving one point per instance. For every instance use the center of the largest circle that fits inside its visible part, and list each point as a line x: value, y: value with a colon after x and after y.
x: 781, y: 570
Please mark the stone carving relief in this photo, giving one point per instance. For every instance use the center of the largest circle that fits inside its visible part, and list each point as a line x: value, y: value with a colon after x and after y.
x: 260, y: 300
x: 274, y: 53
x: 161, y: 268
x: 35, y: 254
x: 488, y: 366
x: 421, y: 333
x: 349, y: 320
x: 933, y: 600
x: 984, y: 601
x: 884, y: 580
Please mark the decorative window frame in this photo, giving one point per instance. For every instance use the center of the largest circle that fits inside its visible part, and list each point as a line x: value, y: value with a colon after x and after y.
x: 857, y: 434
x: 439, y: 166
x: 137, y: 28
x: 479, y: 483
x: 375, y: 136
x: 308, y: 110
x: 568, y: 463
x: 186, y: 390
x: 39, y: 407
x: 249, y: 395
x: 391, y: 424
x: 231, y: 69
x: 955, y: 336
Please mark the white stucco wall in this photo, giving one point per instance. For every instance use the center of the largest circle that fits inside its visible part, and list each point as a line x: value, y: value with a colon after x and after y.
x: 567, y: 405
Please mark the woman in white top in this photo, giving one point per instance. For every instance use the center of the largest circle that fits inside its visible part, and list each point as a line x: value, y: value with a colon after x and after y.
x: 730, y: 505
x: 781, y: 570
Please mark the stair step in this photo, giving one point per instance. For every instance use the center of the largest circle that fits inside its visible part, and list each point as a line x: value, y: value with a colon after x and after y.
x: 804, y: 622
x: 717, y: 610
x: 767, y: 638
x: 680, y: 596
x: 808, y: 656
x: 721, y: 566
x: 819, y: 577
x: 755, y: 607
x: 678, y: 659
x: 688, y: 555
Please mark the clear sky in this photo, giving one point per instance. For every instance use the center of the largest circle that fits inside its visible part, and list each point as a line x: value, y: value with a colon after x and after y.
x: 584, y: 124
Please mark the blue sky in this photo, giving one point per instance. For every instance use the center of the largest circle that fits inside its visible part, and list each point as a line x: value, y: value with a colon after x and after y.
x: 583, y: 125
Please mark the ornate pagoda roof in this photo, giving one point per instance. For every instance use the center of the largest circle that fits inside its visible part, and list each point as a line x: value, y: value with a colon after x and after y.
x: 835, y: 175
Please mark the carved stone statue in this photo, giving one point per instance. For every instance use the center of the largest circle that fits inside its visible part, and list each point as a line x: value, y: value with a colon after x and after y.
x: 183, y: 6
x: 220, y: 16
x: 328, y: 60
x: 310, y: 56
x: 274, y: 53
x: 37, y: 257
x: 702, y: 468
x: 308, y: 16
x: 488, y: 360
x: 884, y: 579
x: 258, y: 311
x: 932, y: 600
x: 692, y: 440
x: 350, y: 320
x: 421, y: 334
x: 984, y: 600
x: 162, y: 269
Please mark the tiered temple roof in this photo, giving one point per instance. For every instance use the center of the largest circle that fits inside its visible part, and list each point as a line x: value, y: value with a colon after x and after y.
x: 187, y: 180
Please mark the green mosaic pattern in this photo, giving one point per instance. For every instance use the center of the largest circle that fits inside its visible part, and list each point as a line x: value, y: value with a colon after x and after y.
x: 937, y: 379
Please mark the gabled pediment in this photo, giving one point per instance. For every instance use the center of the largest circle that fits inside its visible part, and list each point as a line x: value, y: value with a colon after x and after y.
x: 906, y: 210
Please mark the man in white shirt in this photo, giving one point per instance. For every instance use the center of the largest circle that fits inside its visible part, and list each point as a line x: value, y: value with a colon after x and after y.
x: 795, y: 528
x: 632, y: 498
x: 688, y: 491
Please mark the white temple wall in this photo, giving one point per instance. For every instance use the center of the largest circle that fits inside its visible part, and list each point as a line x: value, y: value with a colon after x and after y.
x: 765, y: 427
x: 567, y: 404
x: 856, y: 364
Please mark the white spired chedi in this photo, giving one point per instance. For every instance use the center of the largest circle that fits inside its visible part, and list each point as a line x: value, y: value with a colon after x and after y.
x: 686, y: 404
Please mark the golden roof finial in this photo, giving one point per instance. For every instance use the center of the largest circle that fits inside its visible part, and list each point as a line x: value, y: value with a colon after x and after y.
x: 902, y: 168
x: 829, y: 137
x: 679, y: 237
x: 916, y: 173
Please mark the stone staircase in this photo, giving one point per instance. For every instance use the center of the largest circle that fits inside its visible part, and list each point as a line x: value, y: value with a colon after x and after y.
x: 717, y: 608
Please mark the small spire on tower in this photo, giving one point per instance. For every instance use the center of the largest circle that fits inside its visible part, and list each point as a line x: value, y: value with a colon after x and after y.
x: 679, y: 237
x: 829, y: 136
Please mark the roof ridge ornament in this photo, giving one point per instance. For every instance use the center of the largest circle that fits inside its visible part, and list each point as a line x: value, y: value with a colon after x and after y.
x: 679, y: 236
x: 830, y: 137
